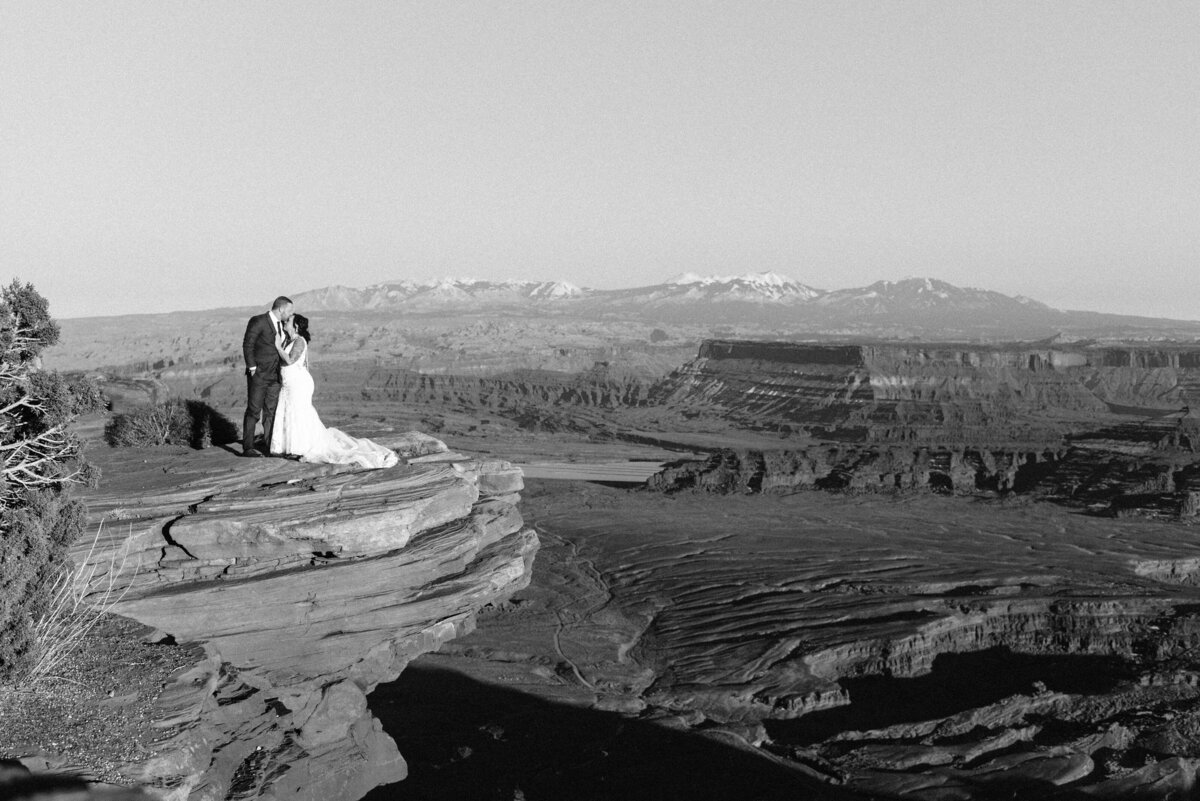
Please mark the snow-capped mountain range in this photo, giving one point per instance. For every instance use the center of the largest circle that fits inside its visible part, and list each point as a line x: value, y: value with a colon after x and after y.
x: 908, y: 307
x: 754, y: 287
x: 448, y: 292
x: 913, y: 293
x: 689, y: 287
x: 761, y: 289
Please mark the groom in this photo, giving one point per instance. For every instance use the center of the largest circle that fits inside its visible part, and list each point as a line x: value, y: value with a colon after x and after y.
x: 262, y: 373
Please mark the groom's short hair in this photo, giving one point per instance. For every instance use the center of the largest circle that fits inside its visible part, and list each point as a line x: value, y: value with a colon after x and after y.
x: 280, y: 302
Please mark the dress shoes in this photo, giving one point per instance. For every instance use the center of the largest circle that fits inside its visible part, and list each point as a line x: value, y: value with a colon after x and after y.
x: 252, y: 453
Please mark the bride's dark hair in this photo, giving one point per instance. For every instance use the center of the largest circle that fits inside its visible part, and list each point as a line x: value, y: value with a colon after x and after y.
x: 302, y: 326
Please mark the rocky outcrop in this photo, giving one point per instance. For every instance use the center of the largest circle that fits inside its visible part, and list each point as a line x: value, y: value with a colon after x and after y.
x: 1119, y: 484
x: 946, y: 648
x: 602, y: 386
x: 856, y: 469
x: 1108, y: 429
x: 307, y: 585
x: 931, y: 393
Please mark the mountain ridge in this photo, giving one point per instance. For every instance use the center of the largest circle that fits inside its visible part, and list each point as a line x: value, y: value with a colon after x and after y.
x: 472, y: 316
x: 909, y: 307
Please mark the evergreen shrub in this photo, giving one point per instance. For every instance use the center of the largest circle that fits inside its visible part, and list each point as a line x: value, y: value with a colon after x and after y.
x: 173, y: 422
x: 40, y: 459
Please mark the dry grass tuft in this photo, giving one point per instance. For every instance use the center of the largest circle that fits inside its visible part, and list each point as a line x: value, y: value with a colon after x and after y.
x: 96, y: 713
x: 70, y: 615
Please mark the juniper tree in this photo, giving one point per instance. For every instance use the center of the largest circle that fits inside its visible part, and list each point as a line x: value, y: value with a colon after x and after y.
x: 39, y: 462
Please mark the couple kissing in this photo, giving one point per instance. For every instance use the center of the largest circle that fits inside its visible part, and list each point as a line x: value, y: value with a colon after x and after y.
x: 279, y: 389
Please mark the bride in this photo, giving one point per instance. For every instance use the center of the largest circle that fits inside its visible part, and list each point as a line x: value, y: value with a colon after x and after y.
x: 298, y: 430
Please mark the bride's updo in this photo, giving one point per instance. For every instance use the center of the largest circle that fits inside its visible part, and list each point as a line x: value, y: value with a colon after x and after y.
x: 301, y: 323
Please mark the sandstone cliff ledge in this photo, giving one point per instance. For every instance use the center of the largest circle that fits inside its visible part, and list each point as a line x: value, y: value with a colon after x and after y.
x: 307, y: 585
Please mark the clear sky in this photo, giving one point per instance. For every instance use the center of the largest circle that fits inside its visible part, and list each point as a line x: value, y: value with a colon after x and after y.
x: 157, y: 156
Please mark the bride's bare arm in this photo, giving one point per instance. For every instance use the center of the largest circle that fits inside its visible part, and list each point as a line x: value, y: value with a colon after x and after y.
x: 298, y: 348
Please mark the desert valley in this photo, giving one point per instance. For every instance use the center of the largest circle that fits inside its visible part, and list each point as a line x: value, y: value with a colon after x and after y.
x: 677, y: 401
x: 718, y: 538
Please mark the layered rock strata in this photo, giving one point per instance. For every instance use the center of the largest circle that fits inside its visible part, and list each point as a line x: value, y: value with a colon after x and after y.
x: 945, y: 648
x: 308, y: 586
x: 604, y: 384
x: 931, y: 393
x: 1123, y: 483
x: 845, y: 467
x: 1104, y: 428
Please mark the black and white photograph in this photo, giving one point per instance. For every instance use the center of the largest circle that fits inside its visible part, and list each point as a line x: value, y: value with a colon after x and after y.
x: 669, y: 400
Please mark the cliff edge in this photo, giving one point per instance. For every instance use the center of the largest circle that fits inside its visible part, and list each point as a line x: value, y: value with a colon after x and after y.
x: 1107, y: 427
x: 307, y: 586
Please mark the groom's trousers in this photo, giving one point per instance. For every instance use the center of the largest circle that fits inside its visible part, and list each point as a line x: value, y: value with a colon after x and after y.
x: 262, y: 396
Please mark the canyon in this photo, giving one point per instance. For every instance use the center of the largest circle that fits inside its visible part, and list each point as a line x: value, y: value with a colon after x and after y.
x: 997, y: 598
x: 878, y: 645
x: 1085, y: 425
x: 858, y: 567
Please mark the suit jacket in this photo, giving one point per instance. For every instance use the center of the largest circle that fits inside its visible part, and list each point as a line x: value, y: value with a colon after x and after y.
x: 258, y: 346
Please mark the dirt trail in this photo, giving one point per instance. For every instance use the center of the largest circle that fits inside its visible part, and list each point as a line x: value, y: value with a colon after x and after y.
x: 593, y: 597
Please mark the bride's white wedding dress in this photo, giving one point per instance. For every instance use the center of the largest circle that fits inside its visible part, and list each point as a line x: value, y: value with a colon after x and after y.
x: 298, y: 429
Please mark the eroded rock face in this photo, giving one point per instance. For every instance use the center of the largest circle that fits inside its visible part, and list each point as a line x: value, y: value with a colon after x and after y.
x: 930, y: 393
x: 1155, y: 482
x: 846, y: 467
x: 602, y: 386
x: 1108, y: 429
x: 934, y: 648
x: 308, y: 586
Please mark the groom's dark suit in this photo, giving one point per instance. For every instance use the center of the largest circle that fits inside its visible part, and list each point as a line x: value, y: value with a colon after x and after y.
x: 262, y: 382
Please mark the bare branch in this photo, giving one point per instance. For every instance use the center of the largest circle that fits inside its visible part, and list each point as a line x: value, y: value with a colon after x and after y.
x: 26, y: 401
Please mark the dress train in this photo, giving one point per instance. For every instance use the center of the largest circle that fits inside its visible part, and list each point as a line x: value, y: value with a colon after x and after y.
x: 298, y: 429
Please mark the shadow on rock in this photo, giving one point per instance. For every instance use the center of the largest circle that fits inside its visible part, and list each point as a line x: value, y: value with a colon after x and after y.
x: 18, y: 784
x: 957, y: 683
x: 209, y: 426
x: 470, y: 741
x: 175, y: 422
